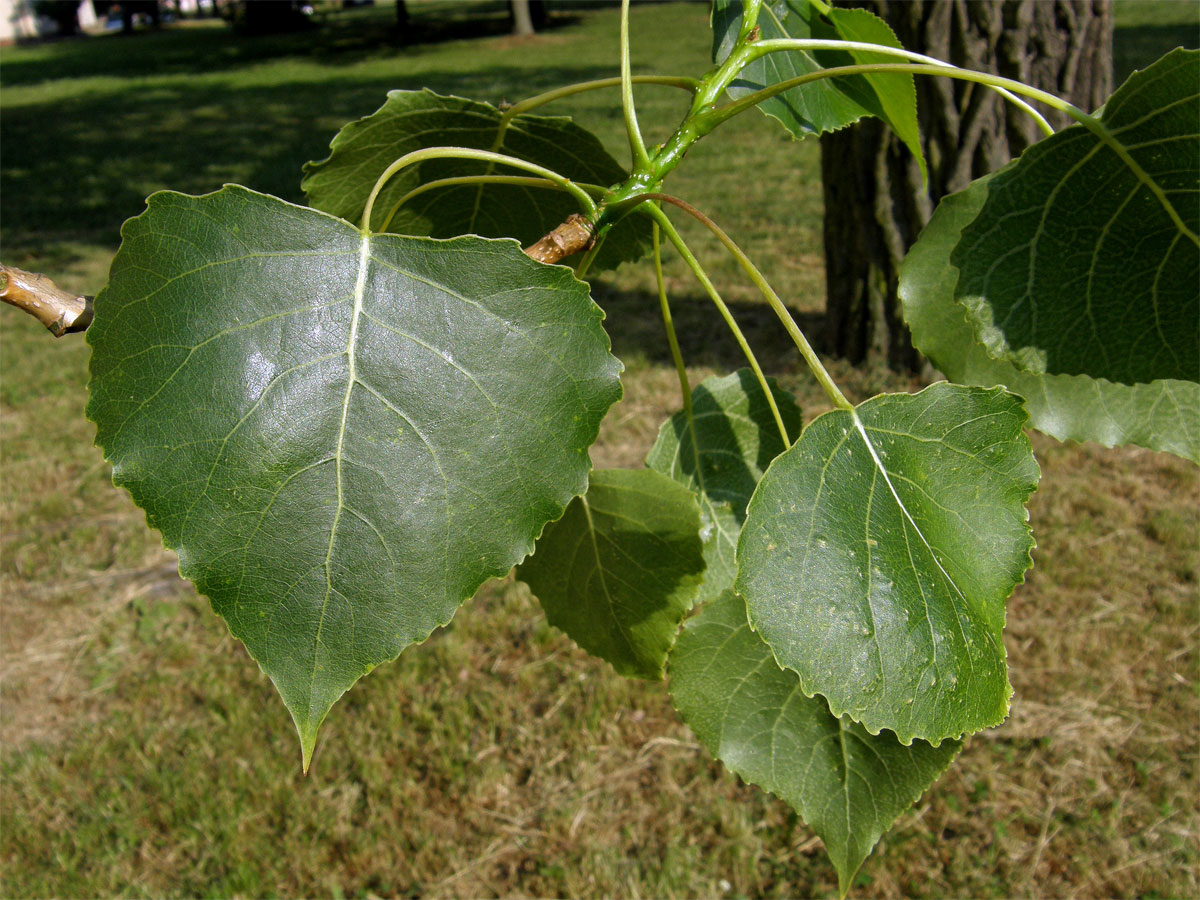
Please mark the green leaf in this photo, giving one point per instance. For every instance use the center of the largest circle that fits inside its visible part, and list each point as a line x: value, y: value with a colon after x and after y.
x: 846, y: 783
x: 620, y: 569
x: 736, y: 439
x: 415, y: 120
x: 830, y: 103
x: 879, y: 550
x: 1160, y: 415
x: 1084, y: 258
x: 342, y: 435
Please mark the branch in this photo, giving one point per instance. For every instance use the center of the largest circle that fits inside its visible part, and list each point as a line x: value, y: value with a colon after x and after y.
x: 60, y: 311
x: 570, y: 237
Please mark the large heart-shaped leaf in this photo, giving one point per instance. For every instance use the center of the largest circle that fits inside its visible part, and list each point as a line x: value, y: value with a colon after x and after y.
x: 829, y: 103
x: 342, y: 435
x: 846, y: 783
x: 878, y: 552
x: 621, y: 568
x: 1161, y: 415
x: 1085, y: 256
x: 415, y: 120
x: 735, y: 438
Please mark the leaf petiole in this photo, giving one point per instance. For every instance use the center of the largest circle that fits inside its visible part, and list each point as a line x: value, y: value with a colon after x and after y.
x: 776, y: 45
x: 698, y: 270
x: 785, y: 317
x: 637, y: 147
x: 581, y: 195
x: 518, y: 180
x: 673, y: 342
x: 945, y: 70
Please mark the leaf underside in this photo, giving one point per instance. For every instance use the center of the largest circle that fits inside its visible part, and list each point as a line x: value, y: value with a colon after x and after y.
x: 828, y: 104
x: 415, y: 120
x: 878, y: 552
x: 342, y: 435
x: 1160, y: 415
x: 735, y: 440
x: 1084, y: 257
x: 621, y: 568
x: 846, y: 783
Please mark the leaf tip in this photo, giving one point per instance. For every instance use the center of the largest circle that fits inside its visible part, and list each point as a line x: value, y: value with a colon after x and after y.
x: 308, y: 742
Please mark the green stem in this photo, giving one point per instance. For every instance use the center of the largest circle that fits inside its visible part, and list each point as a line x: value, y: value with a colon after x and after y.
x: 673, y: 341
x: 637, y: 147
x: 518, y: 180
x: 589, y: 257
x: 1091, y: 123
x: 750, y: 10
x: 785, y: 317
x: 673, y: 236
x: 687, y: 84
x: 585, y: 201
x: 942, y: 69
x: 776, y: 45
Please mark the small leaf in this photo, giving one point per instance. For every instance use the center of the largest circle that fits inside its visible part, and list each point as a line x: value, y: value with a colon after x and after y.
x: 736, y: 439
x: 879, y: 550
x: 847, y: 784
x: 830, y: 103
x: 415, y: 120
x: 1160, y: 415
x: 1085, y: 256
x: 620, y: 569
x: 342, y: 435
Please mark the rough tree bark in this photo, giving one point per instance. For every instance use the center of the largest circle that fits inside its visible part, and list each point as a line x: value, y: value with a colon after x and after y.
x: 875, y: 205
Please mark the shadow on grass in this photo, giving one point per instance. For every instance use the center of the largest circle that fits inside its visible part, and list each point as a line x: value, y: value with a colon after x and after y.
x: 76, y: 169
x: 205, y: 47
x: 635, y: 326
x: 1136, y: 46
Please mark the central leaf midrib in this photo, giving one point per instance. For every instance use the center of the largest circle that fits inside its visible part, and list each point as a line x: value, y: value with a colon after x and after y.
x: 360, y: 285
x: 907, y: 515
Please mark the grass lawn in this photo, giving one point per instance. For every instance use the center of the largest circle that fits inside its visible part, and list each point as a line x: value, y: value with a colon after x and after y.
x: 144, y: 754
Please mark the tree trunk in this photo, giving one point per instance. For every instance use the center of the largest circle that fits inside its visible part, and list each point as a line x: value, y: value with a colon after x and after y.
x: 522, y: 22
x: 875, y: 204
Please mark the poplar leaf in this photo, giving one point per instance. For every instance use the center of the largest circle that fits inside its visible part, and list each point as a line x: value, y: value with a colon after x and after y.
x: 878, y: 552
x: 415, y: 120
x: 342, y: 435
x: 734, y: 440
x: 829, y: 103
x: 1084, y: 258
x: 621, y: 568
x: 849, y: 785
x: 1163, y: 414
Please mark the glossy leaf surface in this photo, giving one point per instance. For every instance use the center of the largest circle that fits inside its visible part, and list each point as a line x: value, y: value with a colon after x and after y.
x: 1084, y: 258
x: 735, y: 440
x: 415, y: 120
x: 1160, y: 415
x: 342, y: 436
x: 621, y: 568
x: 829, y: 103
x: 878, y: 552
x: 846, y: 783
